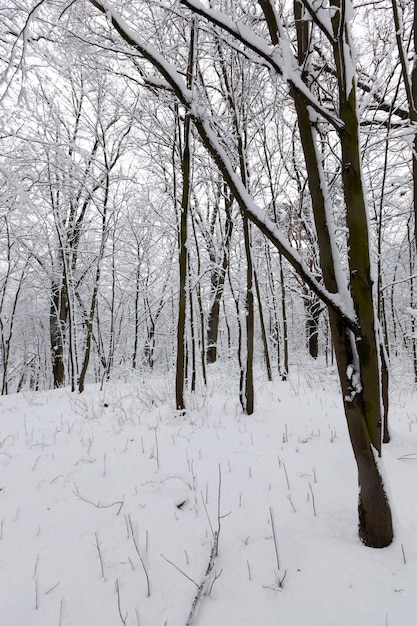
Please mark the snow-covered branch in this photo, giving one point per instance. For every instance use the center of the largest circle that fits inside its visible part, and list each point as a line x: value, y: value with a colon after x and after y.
x: 210, y: 140
x: 279, y: 59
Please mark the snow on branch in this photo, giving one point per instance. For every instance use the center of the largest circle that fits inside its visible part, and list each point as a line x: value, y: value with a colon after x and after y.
x: 149, y: 52
x: 341, y: 306
x: 319, y: 15
x: 279, y: 59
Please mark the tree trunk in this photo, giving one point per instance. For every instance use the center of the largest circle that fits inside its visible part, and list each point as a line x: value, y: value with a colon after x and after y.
x: 182, y: 302
x: 353, y: 323
x: 312, y: 306
x: 263, y: 329
x: 200, y: 305
x: 218, y: 276
x: 57, y: 318
x: 250, y: 321
x: 357, y: 357
x: 183, y: 235
x: 285, y: 369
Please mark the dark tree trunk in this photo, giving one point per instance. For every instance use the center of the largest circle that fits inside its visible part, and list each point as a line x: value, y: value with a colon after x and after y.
x: 181, y: 366
x: 218, y: 276
x: 313, y: 309
x: 58, y: 317
x: 285, y: 368
x: 250, y: 322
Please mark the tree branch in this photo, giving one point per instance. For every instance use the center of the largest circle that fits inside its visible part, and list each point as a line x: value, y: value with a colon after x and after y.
x: 342, y: 307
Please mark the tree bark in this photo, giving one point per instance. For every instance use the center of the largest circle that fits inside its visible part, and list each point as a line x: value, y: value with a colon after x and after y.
x: 218, y: 276
x: 57, y: 317
x: 180, y: 371
x: 263, y: 329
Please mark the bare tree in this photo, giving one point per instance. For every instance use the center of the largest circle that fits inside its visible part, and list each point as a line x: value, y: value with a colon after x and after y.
x: 352, y: 312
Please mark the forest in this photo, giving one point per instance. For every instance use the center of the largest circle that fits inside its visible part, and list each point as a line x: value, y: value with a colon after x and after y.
x: 208, y: 226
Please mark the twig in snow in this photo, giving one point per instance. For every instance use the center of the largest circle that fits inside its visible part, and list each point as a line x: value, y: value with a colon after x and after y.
x: 291, y: 502
x: 249, y: 571
x: 271, y: 514
x: 312, y: 500
x: 402, y: 550
x: 36, y: 594
x: 156, y: 447
x: 56, y: 478
x: 61, y: 613
x: 127, y: 526
x: 148, y: 586
x: 35, y: 571
x: 52, y: 588
x: 97, y: 544
x: 408, y: 457
x: 85, y: 461
x: 215, y: 577
x: 98, y: 504
x: 124, y: 619
x: 280, y: 581
x: 218, y: 509
x: 180, y: 570
x: 286, y: 475
x: 207, y: 515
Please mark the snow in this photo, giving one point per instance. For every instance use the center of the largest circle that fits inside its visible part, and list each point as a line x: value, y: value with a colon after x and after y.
x: 79, y: 473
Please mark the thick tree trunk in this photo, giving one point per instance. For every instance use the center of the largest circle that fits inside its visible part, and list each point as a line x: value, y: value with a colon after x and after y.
x: 357, y: 357
x: 363, y: 404
x: 375, y: 522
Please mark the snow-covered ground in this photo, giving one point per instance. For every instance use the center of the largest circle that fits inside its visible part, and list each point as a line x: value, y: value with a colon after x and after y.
x: 110, y: 504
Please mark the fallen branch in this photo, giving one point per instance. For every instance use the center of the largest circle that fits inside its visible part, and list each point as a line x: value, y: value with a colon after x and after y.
x: 206, y: 584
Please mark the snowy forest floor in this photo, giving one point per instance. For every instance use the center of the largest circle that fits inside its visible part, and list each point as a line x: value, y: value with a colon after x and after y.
x: 109, y: 506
